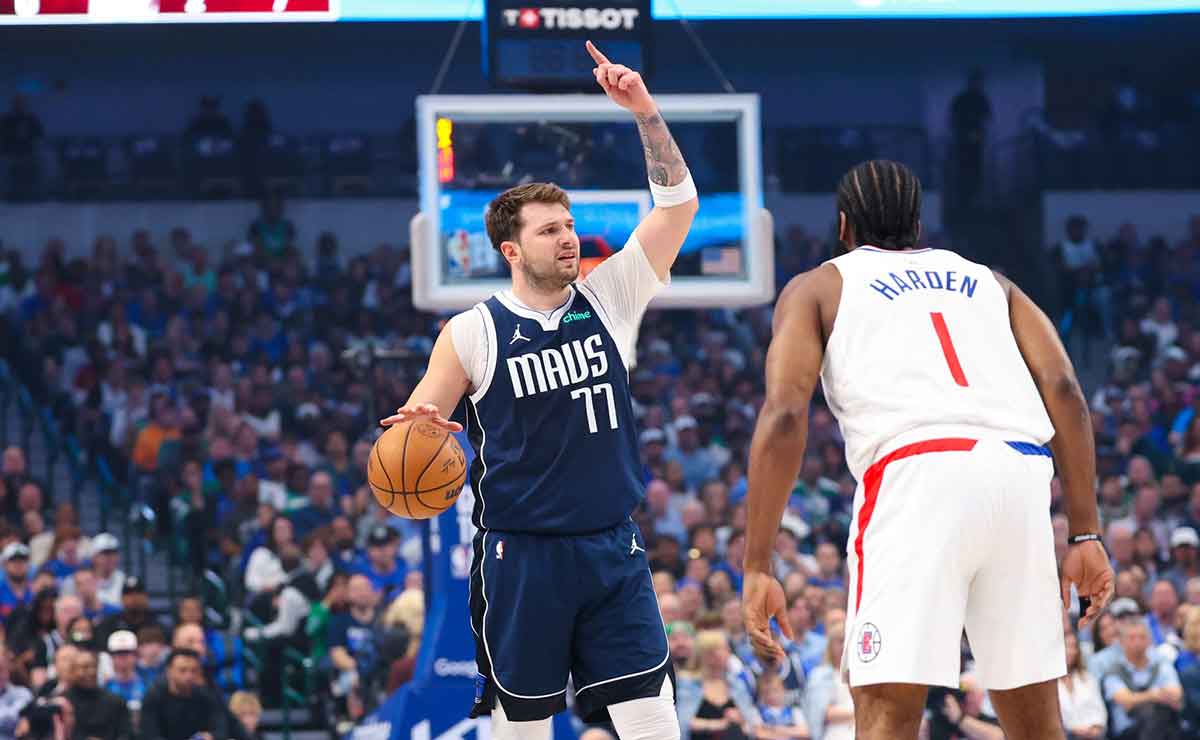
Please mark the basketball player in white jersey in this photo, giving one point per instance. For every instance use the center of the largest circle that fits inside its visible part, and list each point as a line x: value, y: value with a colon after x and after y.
x: 946, y: 381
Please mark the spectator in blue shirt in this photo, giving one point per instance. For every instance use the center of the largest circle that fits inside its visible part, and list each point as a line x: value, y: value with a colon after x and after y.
x: 152, y: 652
x: 342, y: 550
x: 652, y: 443
x: 667, y: 518
x: 125, y: 682
x: 354, y: 641
x: 1142, y: 688
x: 381, y: 565
x: 87, y: 589
x: 66, y: 558
x: 735, y: 551
x: 781, y: 718
x: 320, y: 509
x: 829, y: 567
x: 1185, y: 554
x: 699, y: 465
x: 14, y: 588
x: 808, y: 648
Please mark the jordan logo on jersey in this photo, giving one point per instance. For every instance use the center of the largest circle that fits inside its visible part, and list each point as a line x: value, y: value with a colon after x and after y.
x: 557, y: 367
x: 633, y: 547
x: 516, y: 336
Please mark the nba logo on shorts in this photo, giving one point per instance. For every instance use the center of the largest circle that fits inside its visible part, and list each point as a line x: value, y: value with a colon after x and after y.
x: 869, y: 642
x: 500, y: 550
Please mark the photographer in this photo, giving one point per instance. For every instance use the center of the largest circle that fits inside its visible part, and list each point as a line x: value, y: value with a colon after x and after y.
x: 47, y: 719
x: 13, y: 699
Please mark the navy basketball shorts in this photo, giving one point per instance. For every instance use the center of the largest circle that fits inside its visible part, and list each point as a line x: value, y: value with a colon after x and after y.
x: 545, y: 607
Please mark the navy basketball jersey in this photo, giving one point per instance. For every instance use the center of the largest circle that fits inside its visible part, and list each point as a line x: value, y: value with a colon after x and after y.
x: 553, y: 425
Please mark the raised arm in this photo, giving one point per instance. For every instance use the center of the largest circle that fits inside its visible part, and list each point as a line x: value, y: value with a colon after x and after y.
x: 662, y: 232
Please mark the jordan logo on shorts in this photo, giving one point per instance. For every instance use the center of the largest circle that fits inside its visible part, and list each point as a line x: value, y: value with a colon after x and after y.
x: 633, y: 547
x: 869, y: 643
x: 517, y: 335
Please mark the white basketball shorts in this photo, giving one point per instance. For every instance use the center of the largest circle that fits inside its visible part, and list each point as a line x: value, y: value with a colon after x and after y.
x: 952, y: 532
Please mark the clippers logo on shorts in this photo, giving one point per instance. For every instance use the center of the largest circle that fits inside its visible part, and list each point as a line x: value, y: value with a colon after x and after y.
x: 869, y: 643
x: 553, y: 368
x: 574, y: 19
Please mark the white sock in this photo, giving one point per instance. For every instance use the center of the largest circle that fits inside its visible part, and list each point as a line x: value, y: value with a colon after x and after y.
x: 505, y: 729
x: 652, y: 718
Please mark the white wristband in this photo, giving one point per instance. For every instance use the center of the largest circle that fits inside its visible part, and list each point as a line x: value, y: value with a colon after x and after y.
x: 666, y: 196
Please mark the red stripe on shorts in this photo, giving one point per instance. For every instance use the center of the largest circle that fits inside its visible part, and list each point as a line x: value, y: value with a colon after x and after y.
x: 873, y: 479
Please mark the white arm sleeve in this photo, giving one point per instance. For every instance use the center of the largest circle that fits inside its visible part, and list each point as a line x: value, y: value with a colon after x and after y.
x: 293, y: 608
x: 470, y: 335
x: 624, y: 284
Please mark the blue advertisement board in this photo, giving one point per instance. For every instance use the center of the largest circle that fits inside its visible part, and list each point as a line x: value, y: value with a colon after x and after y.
x: 603, y: 226
x: 723, y: 9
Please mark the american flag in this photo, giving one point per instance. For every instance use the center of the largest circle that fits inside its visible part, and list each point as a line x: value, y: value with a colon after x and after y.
x: 721, y: 261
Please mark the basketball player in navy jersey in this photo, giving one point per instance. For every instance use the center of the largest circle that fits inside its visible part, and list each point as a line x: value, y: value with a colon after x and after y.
x: 560, y: 584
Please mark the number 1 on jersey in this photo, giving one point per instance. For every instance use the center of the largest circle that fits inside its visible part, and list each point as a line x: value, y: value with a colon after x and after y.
x: 943, y: 333
x: 586, y: 394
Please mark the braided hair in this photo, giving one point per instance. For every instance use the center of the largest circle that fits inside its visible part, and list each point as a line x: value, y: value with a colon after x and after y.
x: 882, y: 203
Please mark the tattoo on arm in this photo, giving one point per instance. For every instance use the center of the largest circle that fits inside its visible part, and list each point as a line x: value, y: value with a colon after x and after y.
x: 664, y: 161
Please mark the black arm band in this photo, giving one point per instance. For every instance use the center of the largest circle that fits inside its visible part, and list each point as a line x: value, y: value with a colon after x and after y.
x: 1077, y: 538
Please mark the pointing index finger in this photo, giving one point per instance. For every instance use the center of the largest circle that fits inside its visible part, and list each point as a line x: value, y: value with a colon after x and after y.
x: 597, y: 55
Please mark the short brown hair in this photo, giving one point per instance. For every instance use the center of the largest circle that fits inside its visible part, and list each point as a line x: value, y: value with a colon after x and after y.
x: 503, y: 217
x: 244, y: 701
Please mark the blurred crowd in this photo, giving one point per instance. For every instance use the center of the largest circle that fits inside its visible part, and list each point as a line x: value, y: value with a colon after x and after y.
x: 233, y: 391
x: 230, y: 394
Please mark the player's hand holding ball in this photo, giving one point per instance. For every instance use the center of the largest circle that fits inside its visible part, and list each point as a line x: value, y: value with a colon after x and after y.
x: 428, y: 411
x: 417, y: 468
x: 625, y: 86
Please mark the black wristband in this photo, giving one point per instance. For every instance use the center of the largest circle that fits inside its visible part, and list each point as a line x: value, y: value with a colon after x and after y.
x: 1075, y: 539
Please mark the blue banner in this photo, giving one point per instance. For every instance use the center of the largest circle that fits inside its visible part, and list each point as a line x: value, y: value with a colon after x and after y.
x: 455, y: 10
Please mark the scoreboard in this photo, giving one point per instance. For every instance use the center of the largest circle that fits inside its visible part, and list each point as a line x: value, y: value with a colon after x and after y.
x: 539, y: 44
x: 168, y: 11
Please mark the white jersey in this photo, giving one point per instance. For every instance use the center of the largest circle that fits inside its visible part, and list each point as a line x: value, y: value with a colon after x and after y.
x: 922, y: 338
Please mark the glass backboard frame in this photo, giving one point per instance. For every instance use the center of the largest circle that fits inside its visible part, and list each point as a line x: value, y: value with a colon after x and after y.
x: 432, y: 292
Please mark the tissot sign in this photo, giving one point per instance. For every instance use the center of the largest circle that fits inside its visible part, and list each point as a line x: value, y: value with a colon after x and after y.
x: 538, y: 44
x: 572, y: 18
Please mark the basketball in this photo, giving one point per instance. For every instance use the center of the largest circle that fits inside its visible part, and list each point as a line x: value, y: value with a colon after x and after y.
x: 416, y: 469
